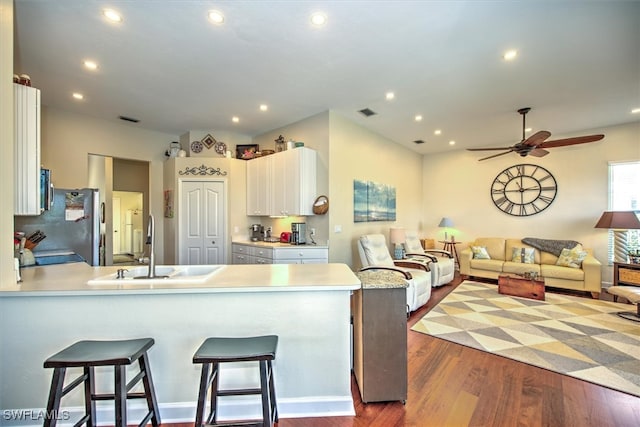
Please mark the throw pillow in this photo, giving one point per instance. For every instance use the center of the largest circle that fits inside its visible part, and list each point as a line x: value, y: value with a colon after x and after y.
x: 523, y: 255
x: 480, y: 252
x: 572, y: 257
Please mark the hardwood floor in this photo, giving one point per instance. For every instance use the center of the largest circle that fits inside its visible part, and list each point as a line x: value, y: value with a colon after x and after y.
x: 452, y: 385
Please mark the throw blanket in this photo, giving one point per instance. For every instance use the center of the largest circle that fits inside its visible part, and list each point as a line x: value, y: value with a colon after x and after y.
x: 548, y: 245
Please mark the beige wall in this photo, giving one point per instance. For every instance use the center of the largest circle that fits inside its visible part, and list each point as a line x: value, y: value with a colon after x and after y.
x: 7, y: 276
x: 356, y: 153
x: 68, y: 139
x: 457, y: 185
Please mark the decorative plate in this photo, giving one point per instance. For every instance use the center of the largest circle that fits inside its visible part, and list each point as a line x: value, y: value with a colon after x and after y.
x: 196, y: 146
x: 209, y: 141
x: 220, y: 147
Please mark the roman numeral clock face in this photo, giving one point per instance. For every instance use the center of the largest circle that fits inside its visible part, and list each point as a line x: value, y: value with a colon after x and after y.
x: 523, y: 190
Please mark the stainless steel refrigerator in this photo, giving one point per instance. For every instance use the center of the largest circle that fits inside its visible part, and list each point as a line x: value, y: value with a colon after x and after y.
x: 71, y: 225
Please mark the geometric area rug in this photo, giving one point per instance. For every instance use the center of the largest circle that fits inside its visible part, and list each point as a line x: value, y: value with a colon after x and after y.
x: 579, y: 337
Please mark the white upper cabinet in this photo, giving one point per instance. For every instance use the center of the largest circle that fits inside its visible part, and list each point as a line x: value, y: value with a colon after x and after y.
x: 26, y: 152
x: 282, y: 184
x: 259, y: 186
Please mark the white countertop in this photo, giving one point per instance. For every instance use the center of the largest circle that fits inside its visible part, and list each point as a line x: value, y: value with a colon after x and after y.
x: 278, y: 245
x: 66, y: 279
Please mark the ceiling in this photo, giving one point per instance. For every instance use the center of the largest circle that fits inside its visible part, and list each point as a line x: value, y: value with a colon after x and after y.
x: 166, y: 64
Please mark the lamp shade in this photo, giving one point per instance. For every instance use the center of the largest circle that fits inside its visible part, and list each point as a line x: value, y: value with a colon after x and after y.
x: 397, y: 235
x: 445, y: 222
x: 619, y: 220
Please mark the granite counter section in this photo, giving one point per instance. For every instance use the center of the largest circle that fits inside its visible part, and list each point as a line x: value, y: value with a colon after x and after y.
x: 381, y: 279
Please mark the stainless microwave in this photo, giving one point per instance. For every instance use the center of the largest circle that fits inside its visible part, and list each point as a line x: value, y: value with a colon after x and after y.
x: 46, y: 190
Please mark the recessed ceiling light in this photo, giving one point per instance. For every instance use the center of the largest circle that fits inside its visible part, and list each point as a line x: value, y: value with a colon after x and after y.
x: 112, y: 15
x: 418, y: 118
x: 510, y: 55
x: 635, y: 111
x: 91, y: 65
x: 216, y: 17
x: 318, y: 19
x: 235, y: 119
x: 390, y: 96
x: 452, y: 142
x: 437, y: 132
x: 264, y: 107
x: 78, y: 96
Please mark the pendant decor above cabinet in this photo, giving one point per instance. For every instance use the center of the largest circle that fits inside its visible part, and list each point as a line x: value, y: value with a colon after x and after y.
x: 282, y: 184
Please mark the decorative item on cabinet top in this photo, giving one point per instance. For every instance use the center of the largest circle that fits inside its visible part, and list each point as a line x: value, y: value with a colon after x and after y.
x: 247, y: 151
x: 202, y: 170
x: 321, y: 205
x: 208, y: 141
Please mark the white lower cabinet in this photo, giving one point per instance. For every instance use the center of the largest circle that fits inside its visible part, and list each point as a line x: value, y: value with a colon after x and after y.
x: 247, y: 253
x: 301, y: 255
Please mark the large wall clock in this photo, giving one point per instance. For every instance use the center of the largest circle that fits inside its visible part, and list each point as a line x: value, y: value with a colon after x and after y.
x: 523, y: 190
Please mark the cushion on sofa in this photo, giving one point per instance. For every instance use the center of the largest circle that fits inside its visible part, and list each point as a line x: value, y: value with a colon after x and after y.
x: 560, y: 272
x: 520, y: 268
x: 511, y: 244
x: 487, y: 264
x: 480, y: 252
x: 494, y: 245
x: 523, y: 255
x: 572, y: 257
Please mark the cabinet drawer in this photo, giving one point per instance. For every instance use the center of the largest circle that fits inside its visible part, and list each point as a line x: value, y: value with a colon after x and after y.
x: 263, y: 252
x: 300, y: 253
x: 240, y: 258
x: 242, y: 249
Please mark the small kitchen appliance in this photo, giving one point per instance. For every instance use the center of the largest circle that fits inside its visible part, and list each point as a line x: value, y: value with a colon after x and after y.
x: 285, y: 237
x: 257, y: 232
x: 298, y: 233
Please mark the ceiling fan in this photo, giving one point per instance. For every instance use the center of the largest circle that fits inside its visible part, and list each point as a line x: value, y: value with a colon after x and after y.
x: 537, y: 143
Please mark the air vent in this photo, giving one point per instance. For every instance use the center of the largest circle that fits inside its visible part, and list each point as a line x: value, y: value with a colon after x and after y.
x: 128, y: 119
x: 367, y: 112
x: 418, y: 141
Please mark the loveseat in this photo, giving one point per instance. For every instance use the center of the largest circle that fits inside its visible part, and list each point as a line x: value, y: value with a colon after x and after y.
x: 580, y: 270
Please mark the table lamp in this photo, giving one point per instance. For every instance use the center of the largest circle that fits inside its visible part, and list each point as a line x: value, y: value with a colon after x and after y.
x: 445, y: 223
x: 619, y: 222
x: 397, y: 238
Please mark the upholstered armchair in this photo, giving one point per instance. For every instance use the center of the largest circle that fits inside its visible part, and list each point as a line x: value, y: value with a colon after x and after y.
x: 443, y: 265
x: 374, y: 253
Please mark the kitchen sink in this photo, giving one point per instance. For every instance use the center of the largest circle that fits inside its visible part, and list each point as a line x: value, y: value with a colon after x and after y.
x: 170, y: 273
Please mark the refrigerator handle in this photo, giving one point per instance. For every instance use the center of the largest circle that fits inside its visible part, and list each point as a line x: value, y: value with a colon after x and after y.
x: 51, y: 195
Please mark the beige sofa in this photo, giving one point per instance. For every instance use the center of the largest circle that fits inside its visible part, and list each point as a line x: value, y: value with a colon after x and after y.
x: 587, y: 278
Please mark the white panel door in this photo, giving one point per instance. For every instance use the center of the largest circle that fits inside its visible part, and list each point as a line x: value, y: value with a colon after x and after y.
x: 201, y: 230
x: 117, y: 241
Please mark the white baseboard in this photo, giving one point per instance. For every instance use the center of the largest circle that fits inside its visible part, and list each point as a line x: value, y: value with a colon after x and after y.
x: 184, y: 412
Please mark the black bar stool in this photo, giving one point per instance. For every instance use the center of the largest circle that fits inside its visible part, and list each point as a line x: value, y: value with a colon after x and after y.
x: 219, y: 350
x: 88, y: 355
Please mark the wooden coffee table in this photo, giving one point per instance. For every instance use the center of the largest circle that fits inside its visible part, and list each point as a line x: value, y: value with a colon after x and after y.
x: 519, y: 286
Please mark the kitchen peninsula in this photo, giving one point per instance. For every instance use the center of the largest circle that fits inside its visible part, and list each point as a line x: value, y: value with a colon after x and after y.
x: 306, y: 305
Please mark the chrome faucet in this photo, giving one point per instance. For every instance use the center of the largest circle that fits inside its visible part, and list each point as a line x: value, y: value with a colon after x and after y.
x: 152, y: 256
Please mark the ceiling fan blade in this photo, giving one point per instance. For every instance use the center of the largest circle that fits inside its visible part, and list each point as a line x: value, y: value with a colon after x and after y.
x: 537, y: 138
x: 487, y: 149
x: 538, y: 152
x: 496, y: 155
x: 571, y: 141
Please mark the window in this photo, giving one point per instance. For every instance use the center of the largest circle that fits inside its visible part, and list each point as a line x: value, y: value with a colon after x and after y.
x: 624, y: 195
